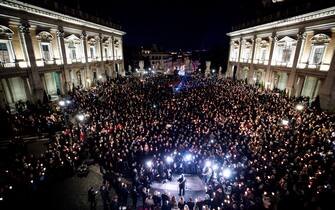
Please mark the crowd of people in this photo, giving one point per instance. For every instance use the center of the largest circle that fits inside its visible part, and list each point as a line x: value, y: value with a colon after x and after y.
x: 253, y: 148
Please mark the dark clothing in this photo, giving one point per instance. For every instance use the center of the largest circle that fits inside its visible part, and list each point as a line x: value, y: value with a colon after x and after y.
x: 190, y: 205
x: 182, y: 183
x: 92, y: 199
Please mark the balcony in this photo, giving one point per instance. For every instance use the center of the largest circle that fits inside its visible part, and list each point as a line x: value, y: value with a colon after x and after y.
x: 74, y: 60
x: 233, y: 59
x: 282, y: 63
x: 7, y: 64
x: 245, y: 60
x: 261, y: 61
x: 318, y: 67
x: 96, y: 59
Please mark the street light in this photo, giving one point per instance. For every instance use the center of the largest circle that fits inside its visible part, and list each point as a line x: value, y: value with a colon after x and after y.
x: 299, y: 107
x: 68, y: 102
x: 226, y: 173
x: 169, y: 159
x: 149, y: 163
x: 61, y: 103
x: 80, y: 117
x: 284, y: 122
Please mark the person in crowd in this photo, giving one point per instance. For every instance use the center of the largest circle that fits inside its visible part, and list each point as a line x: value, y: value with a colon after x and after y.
x: 92, y: 198
x: 265, y: 152
x: 182, y: 185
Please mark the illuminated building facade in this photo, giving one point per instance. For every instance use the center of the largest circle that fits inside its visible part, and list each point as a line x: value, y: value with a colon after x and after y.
x: 295, y: 55
x: 42, y: 51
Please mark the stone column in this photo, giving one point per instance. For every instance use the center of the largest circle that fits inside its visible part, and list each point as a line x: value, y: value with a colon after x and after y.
x: 66, y: 81
x: 208, y: 69
x: 251, y: 69
x: 10, y: 90
x: 34, y: 77
x: 239, y: 57
x: 300, y: 83
x: 274, y: 40
x: 102, y: 63
x: 227, y: 74
x: 220, y: 72
x: 27, y: 88
x: 292, y: 77
x: 141, y: 70
x: 113, y: 58
x: 327, y: 90
x: 88, y: 76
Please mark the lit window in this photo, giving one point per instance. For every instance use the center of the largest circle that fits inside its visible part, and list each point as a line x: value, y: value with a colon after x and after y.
x: 317, y: 54
x: 92, y: 52
x: 286, y: 56
x: 46, y: 51
x: 263, y: 53
x: 106, y: 52
x: 4, y: 53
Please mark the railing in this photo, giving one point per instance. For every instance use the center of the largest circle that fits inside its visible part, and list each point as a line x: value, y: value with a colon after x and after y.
x: 76, y: 60
x: 7, y: 64
x: 282, y: 64
x: 245, y: 60
x: 261, y: 61
x: 319, y: 66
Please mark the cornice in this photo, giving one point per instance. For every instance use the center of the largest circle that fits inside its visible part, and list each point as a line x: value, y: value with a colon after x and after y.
x: 35, y: 10
x: 324, y: 13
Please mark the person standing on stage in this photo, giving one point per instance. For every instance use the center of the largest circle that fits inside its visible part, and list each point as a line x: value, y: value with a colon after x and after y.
x: 182, y: 183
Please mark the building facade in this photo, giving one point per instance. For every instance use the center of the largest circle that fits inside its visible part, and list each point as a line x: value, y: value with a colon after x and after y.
x: 294, y: 54
x: 42, y: 51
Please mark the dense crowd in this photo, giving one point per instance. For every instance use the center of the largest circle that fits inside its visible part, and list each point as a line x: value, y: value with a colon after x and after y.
x: 140, y: 131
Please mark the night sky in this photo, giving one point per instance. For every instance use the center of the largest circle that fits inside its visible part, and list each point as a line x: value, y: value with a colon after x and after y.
x: 185, y: 24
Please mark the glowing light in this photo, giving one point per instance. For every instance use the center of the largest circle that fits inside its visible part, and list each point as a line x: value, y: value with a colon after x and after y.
x: 32, y: 181
x: 227, y: 173
x: 284, y: 122
x: 10, y: 187
x: 149, y: 163
x: 169, y: 159
x: 215, y: 167
x: 299, y: 107
x: 188, y: 157
x: 100, y: 77
x: 1, y: 198
x: 80, y: 117
x: 61, y: 103
x: 68, y: 102
x: 208, y: 163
